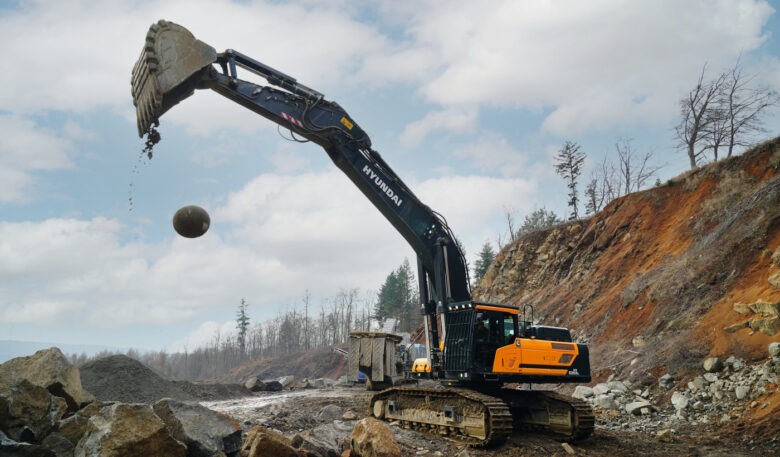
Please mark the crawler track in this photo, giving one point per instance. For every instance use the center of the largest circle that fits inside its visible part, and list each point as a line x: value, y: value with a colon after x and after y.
x: 484, y: 419
x: 459, y: 414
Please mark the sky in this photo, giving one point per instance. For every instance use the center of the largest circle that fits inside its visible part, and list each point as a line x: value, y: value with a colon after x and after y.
x: 469, y: 102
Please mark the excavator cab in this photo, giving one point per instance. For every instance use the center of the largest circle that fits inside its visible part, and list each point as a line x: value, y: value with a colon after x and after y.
x: 491, y: 343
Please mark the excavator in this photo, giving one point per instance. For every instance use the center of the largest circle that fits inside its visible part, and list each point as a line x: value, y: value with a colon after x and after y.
x: 480, y: 354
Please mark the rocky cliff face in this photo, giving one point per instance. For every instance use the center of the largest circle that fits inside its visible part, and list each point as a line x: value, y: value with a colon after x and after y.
x: 662, y: 278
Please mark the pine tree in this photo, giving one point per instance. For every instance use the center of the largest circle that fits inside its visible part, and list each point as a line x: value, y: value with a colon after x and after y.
x: 242, y: 325
x: 569, y: 166
x: 486, y: 256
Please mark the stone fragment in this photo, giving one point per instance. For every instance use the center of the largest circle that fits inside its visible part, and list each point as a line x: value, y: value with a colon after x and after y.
x: 679, y: 400
x: 254, y: 384
x: 665, y: 435
x: 330, y: 413
x: 638, y: 408
x: 127, y: 430
x: 372, y: 438
x: 710, y: 377
x: 50, y: 369
x: 203, y: 431
x: 774, y: 349
x: 261, y: 441
x: 567, y: 447
x: 582, y: 392
x: 741, y: 392
x: 287, y: 382
x: 28, y: 412
x: 713, y: 364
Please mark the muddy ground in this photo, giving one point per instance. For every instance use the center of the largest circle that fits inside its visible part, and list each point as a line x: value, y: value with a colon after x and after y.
x: 296, y: 411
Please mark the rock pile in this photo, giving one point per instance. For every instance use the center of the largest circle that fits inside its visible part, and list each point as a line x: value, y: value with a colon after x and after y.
x: 725, y: 388
x: 46, y: 411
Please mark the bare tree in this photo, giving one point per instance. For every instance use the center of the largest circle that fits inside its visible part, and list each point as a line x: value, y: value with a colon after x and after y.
x: 696, y: 117
x: 742, y: 107
x: 725, y: 112
x: 635, y: 169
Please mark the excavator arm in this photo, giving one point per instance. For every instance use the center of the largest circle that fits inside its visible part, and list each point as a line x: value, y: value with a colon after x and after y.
x: 173, y: 64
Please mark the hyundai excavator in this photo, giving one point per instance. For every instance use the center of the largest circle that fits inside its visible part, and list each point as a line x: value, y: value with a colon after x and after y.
x: 481, y: 353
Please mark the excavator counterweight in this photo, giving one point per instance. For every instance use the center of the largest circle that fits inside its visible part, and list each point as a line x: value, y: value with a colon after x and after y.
x: 168, y: 71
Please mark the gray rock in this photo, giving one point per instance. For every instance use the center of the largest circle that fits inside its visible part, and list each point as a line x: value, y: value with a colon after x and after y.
x: 713, y: 364
x: 287, y: 382
x: 28, y: 412
x: 203, y: 431
x: 666, y: 380
x: 122, y: 426
x: 710, y: 377
x: 50, y: 369
x: 330, y: 413
x: 606, y: 401
x: 741, y: 392
x: 600, y: 389
x: 639, y: 407
x: 583, y: 392
x: 774, y: 349
x: 254, y: 384
x: 680, y: 400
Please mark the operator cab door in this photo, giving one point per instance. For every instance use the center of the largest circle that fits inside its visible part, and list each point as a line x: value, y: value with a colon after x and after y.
x: 493, y: 330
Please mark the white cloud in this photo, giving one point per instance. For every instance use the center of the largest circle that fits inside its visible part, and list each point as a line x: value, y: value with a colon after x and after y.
x: 453, y: 120
x: 203, y: 336
x: 26, y: 149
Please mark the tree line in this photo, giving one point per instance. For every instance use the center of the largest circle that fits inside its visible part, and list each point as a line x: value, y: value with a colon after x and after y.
x: 293, y: 330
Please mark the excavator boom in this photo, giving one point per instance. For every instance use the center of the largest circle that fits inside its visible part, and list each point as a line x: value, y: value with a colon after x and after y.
x: 173, y: 64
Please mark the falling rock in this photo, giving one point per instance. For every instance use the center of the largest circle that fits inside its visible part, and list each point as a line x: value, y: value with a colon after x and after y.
x: 203, y: 431
x: 127, y: 430
x: 372, y: 438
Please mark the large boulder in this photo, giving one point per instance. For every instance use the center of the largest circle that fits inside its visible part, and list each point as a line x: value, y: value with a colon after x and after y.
x: 50, y: 369
x: 128, y: 430
x: 203, y: 431
x: 327, y: 440
x: 28, y: 412
x: 372, y: 438
x: 11, y: 448
x: 261, y: 442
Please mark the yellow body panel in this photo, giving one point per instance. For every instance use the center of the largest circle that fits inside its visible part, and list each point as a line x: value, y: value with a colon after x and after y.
x: 535, y: 357
x: 421, y: 365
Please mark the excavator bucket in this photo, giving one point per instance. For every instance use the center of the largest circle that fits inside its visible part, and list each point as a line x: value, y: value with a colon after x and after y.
x: 168, y: 71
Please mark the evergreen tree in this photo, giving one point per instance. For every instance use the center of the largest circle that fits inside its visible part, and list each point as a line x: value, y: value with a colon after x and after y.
x: 486, y: 256
x: 569, y: 166
x: 537, y: 220
x: 397, y: 298
x: 242, y: 325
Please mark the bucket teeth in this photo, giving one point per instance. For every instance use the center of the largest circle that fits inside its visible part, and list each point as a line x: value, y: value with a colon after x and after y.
x: 167, y: 71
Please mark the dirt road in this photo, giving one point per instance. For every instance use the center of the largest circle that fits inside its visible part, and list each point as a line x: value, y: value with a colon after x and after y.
x: 297, y: 411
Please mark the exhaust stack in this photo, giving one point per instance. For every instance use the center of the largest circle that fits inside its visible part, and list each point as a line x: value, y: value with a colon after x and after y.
x: 168, y: 71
